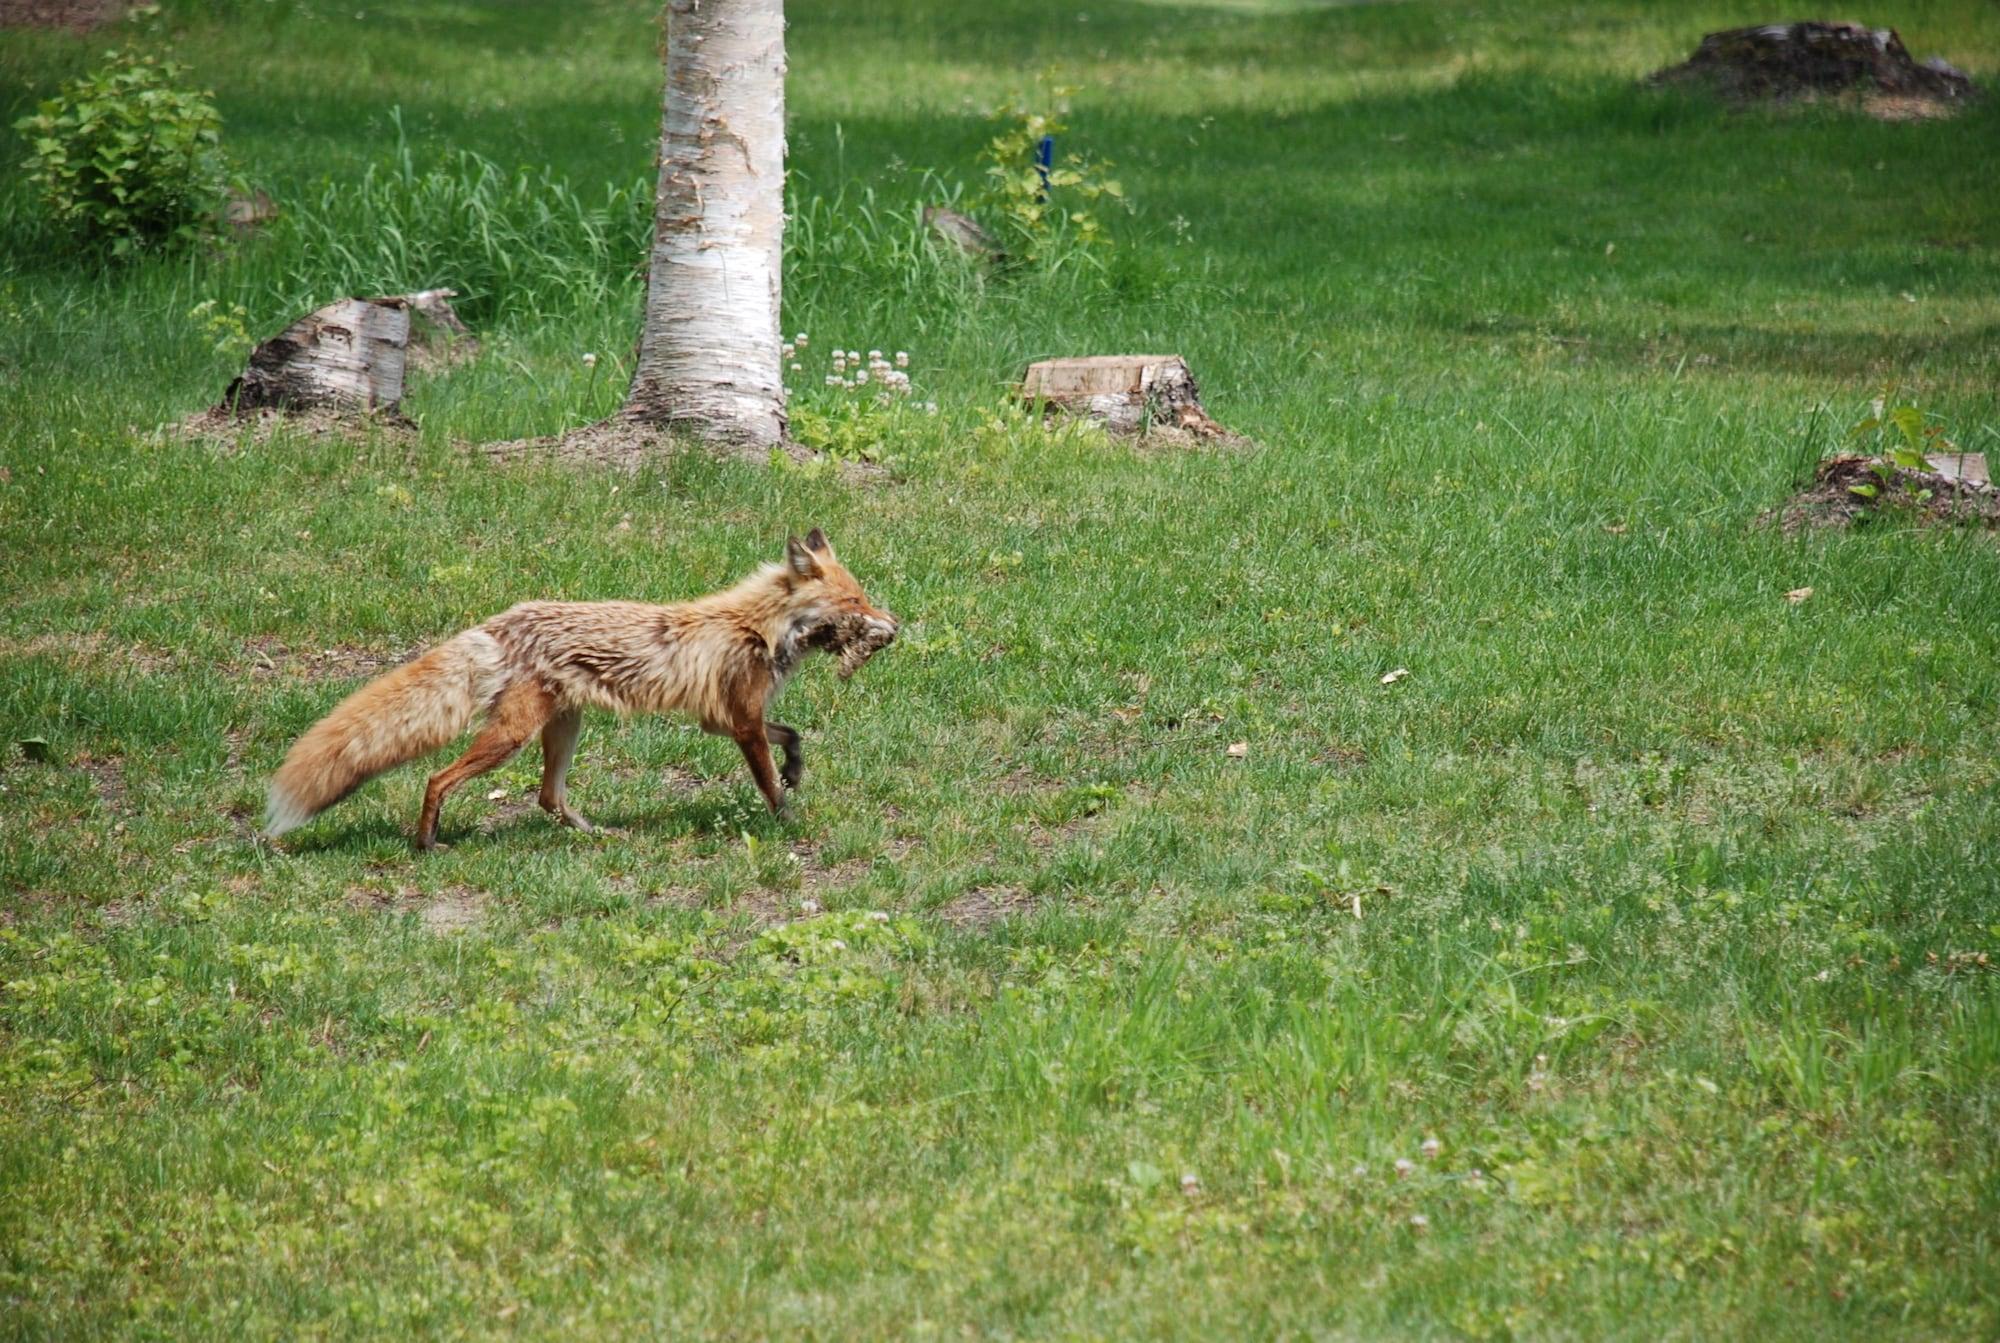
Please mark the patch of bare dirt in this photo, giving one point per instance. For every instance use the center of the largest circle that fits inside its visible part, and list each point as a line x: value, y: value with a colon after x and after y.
x: 90, y: 647
x: 222, y: 424
x: 343, y: 662
x: 75, y: 16
x: 107, y: 778
x: 1021, y: 781
x: 680, y: 897
x: 1831, y: 500
x: 452, y: 910
x: 983, y: 906
x: 681, y: 781
x: 118, y: 913
x: 1790, y: 62
x: 1341, y: 756
x: 502, y: 812
x: 1044, y: 837
x: 817, y: 876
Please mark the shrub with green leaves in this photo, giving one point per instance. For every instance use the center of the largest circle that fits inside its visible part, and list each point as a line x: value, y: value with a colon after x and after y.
x: 124, y: 159
x: 1041, y: 216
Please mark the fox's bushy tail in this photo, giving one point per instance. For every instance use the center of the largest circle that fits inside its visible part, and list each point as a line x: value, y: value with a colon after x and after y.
x: 407, y: 713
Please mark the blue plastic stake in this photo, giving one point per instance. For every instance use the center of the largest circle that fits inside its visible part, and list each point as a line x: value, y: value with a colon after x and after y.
x: 1045, y: 157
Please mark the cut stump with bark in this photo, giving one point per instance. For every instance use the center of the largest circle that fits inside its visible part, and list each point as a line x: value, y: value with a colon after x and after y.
x: 1126, y: 393
x: 1780, y: 61
x: 349, y: 357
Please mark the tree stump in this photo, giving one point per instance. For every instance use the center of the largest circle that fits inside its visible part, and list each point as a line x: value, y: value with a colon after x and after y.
x: 350, y: 357
x: 1791, y: 60
x: 1126, y: 393
x: 347, y: 356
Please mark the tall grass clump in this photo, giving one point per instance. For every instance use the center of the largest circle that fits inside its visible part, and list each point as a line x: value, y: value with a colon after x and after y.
x: 856, y: 262
x: 520, y: 245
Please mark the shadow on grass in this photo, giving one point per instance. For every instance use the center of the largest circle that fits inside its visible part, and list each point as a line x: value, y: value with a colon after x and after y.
x: 1852, y: 354
x: 723, y: 814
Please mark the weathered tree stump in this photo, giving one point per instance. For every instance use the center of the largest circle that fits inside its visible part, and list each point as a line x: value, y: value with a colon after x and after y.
x: 1126, y: 393
x: 1791, y: 60
x: 348, y: 357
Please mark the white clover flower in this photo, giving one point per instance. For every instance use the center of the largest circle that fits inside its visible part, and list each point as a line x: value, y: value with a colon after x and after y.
x: 836, y: 944
x: 589, y: 360
x: 1190, y: 1183
x: 854, y: 356
x: 809, y: 905
x: 788, y: 350
x: 930, y: 407
x: 878, y: 916
x: 1419, y: 1223
x: 874, y: 354
x: 799, y: 340
x: 1404, y: 1166
x: 861, y: 377
x: 1431, y: 1148
x: 796, y: 367
x: 1360, y: 1172
x: 832, y: 381
x: 902, y: 359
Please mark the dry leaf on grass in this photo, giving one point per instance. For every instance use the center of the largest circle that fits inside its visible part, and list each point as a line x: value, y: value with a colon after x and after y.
x: 1390, y: 678
x: 1238, y: 749
x: 1797, y: 595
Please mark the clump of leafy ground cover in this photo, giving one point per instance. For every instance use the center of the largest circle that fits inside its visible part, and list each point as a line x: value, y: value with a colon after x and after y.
x: 1656, y: 899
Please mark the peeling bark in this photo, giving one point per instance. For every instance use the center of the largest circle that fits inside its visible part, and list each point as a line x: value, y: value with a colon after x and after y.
x: 708, y: 357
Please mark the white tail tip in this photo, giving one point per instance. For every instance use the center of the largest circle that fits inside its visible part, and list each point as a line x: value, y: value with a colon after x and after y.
x: 283, y: 812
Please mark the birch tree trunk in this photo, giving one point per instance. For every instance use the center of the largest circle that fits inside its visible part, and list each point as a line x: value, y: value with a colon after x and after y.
x: 708, y: 357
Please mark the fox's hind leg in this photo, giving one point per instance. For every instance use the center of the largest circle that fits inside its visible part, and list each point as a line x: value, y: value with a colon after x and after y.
x: 516, y: 716
x: 787, y: 738
x: 558, y: 749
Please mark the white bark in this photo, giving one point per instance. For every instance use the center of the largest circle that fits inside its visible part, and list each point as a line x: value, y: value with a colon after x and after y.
x: 347, y: 356
x: 708, y: 358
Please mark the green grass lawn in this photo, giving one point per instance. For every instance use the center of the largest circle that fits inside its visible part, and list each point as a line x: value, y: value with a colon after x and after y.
x: 1656, y: 898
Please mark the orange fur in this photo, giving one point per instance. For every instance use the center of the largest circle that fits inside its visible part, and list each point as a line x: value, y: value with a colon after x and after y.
x: 722, y: 658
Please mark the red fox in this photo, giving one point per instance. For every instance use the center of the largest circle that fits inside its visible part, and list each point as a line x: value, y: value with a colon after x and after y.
x: 533, y: 668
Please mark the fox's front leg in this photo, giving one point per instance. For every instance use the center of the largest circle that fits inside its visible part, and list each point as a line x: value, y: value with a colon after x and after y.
x: 755, y: 742
x: 787, y: 739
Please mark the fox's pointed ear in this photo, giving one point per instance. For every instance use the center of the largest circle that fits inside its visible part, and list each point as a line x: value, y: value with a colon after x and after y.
x: 816, y: 540
x: 800, y: 560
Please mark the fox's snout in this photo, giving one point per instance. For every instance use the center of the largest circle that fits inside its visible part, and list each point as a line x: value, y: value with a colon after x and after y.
x: 883, y: 625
